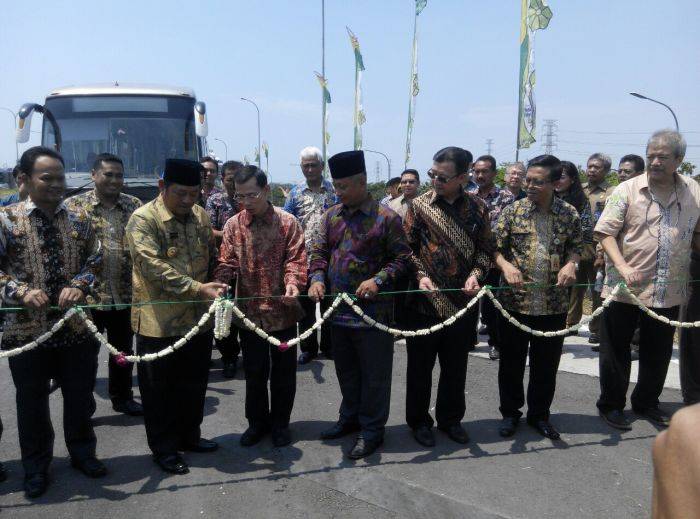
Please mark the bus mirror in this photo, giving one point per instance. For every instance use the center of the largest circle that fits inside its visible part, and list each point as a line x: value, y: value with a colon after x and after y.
x: 200, y: 119
x: 24, y: 121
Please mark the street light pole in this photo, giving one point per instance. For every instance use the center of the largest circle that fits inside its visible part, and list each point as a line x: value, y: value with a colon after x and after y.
x: 388, y: 162
x: 258, y: 110
x: 225, y: 147
x: 640, y: 96
x: 14, y: 120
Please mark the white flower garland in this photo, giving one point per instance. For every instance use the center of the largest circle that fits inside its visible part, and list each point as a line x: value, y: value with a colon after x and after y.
x: 224, y: 309
x: 43, y: 337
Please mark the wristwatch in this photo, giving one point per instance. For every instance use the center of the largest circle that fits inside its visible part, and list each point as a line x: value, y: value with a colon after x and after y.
x: 378, y: 281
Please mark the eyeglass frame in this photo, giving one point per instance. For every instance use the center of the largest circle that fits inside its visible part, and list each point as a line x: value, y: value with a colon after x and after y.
x: 440, y: 178
x: 238, y: 197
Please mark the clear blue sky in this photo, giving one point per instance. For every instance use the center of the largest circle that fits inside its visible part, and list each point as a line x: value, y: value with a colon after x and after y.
x: 593, y: 53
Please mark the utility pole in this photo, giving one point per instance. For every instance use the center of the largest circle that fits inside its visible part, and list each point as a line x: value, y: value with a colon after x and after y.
x: 489, y: 142
x: 550, y: 135
x: 377, y: 171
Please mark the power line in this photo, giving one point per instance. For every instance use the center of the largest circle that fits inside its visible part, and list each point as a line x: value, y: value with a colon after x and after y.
x: 621, y: 132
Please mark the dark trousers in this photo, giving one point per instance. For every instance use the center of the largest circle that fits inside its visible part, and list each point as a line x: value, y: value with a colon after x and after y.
x: 448, y: 346
x: 544, y: 353
x: 311, y: 344
x: 690, y: 341
x: 586, y: 274
x: 229, y: 347
x: 72, y: 361
x: 263, y: 362
x: 173, y: 390
x: 655, y: 348
x: 117, y: 325
x: 489, y: 315
x: 363, y: 362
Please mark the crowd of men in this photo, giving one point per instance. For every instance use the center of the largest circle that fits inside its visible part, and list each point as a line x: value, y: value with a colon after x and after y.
x: 538, y: 240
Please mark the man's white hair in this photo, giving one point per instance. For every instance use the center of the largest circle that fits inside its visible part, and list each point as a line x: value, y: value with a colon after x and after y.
x: 311, y: 152
x: 671, y: 138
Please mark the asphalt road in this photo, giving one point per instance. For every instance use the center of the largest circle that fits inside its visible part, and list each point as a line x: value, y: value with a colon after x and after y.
x: 592, y: 472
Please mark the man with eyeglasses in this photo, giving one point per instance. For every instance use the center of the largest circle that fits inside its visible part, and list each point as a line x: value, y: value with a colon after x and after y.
x: 210, y: 175
x: 648, y: 229
x: 307, y: 201
x: 513, y: 178
x: 109, y: 210
x: 220, y: 207
x: 538, y: 243
x: 361, y: 249
x: 263, y: 255
x: 410, y: 182
x: 496, y: 198
x: 449, y: 234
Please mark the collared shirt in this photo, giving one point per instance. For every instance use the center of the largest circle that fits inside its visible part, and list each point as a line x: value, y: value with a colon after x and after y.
x: 653, y: 239
x: 597, y: 195
x: 171, y: 261
x: 220, y: 208
x: 263, y: 255
x: 10, y: 199
x: 37, y: 252
x: 496, y: 199
x: 204, y: 195
x: 586, y: 219
x: 385, y: 201
x: 308, y: 207
x: 354, y: 246
x: 538, y: 244
x: 400, y: 205
x: 450, y: 243
x: 114, y: 282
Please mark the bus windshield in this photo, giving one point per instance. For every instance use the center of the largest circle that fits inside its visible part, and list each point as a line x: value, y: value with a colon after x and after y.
x: 141, y: 130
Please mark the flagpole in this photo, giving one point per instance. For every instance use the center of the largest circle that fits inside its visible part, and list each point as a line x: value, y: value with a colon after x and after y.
x: 410, y: 89
x: 521, y: 86
x: 323, y: 94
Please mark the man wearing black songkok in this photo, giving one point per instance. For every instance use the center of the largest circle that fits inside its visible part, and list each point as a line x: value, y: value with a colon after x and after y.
x: 174, y: 254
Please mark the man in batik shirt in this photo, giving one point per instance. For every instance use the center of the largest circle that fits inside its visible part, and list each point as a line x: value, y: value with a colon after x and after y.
x: 49, y: 257
x: 263, y: 254
x: 210, y: 174
x: 538, y: 241
x: 496, y: 199
x: 220, y: 207
x: 449, y: 233
x: 109, y: 210
x: 361, y: 249
x: 308, y: 201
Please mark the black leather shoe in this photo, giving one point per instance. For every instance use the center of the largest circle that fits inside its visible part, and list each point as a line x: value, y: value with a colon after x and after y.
x: 252, y: 435
x: 508, y: 426
x: 202, y: 445
x: 3, y: 473
x: 616, y: 419
x: 424, y: 436
x: 130, y: 407
x: 456, y: 433
x: 35, y: 484
x: 655, y: 415
x: 281, y: 437
x: 91, y: 467
x: 229, y: 370
x: 364, y: 448
x: 172, y: 463
x: 546, y: 429
x: 306, y: 357
x: 494, y: 354
x: 339, y: 430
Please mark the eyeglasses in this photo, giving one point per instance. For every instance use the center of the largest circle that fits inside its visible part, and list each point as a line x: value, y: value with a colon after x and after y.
x: 440, y: 178
x: 536, y: 182
x: 247, y: 196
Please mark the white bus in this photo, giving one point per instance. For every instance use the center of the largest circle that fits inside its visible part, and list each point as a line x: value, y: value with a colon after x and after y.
x: 141, y: 124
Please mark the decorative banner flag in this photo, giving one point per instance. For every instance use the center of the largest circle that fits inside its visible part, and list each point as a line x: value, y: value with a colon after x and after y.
x: 535, y: 15
x: 413, y: 81
x: 359, y: 115
x: 325, y: 136
x: 266, y: 151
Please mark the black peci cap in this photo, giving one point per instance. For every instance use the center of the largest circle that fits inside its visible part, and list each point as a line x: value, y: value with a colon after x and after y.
x: 347, y: 164
x: 183, y: 172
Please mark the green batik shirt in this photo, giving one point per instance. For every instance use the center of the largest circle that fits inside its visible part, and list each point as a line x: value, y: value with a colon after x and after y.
x: 113, y: 284
x: 171, y: 261
x: 539, y: 245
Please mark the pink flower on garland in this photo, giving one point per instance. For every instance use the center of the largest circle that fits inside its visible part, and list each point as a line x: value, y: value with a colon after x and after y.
x: 120, y: 359
x: 283, y: 346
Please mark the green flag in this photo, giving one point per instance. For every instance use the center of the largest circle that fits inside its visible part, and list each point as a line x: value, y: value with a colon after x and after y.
x: 420, y: 5
x: 359, y: 114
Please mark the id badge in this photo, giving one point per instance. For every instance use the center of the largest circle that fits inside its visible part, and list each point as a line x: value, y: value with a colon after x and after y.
x: 555, y: 262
